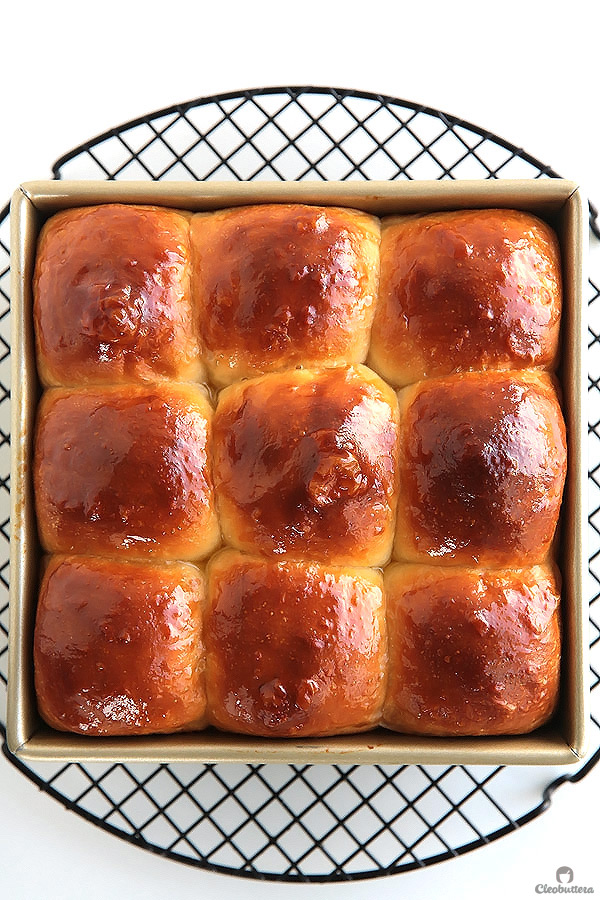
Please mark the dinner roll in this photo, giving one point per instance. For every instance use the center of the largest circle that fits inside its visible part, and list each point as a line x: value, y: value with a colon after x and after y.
x: 112, y: 297
x: 482, y: 468
x: 471, y: 652
x: 305, y: 465
x: 466, y: 290
x: 125, y: 469
x: 278, y: 285
x: 118, y: 647
x: 293, y: 648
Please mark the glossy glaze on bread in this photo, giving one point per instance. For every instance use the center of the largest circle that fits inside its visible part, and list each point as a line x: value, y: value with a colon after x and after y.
x: 294, y: 649
x: 471, y: 652
x: 482, y: 469
x: 466, y: 290
x: 112, y: 297
x: 126, y: 471
x: 118, y: 646
x: 277, y: 286
x: 208, y: 389
x: 305, y: 465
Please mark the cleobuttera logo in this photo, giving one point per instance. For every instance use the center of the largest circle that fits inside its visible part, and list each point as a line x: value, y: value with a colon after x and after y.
x: 564, y: 877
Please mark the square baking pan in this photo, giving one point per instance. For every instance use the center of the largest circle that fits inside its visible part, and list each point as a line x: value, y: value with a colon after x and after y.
x: 563, y: 740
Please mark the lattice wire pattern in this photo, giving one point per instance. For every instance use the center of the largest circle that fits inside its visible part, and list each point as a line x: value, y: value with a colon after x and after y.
x: 4, y: 457
x: 282, y: 821
x: 297, y: 135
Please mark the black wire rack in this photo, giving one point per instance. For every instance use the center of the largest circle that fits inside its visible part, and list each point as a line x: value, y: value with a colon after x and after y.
x: 302, y: 822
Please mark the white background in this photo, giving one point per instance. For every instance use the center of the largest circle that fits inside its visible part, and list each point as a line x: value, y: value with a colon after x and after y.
x: 524, y: 70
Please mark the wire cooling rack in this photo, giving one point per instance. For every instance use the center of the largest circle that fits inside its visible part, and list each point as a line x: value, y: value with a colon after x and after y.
x: 310, y: 822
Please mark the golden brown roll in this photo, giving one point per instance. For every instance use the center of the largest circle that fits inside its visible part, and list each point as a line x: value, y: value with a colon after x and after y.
x: 482, y: 468
x: 125, y: 470
x: 467, y: 290
x: 293, y: 648
x: 471, y: 652
x: 280, y: 285
x: 118, y: 647
x: 112, y: 296
x: 305, y: 465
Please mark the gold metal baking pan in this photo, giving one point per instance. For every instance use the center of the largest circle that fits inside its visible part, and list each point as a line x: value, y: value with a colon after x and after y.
x: 561, y: 742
